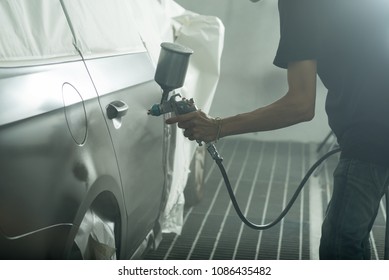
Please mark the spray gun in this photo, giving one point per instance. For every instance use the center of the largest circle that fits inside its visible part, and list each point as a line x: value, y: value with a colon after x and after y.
x: 171, y: 69
x: 170, y: 75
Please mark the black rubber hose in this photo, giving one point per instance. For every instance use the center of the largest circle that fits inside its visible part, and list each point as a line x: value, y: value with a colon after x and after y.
x: 287, y: 208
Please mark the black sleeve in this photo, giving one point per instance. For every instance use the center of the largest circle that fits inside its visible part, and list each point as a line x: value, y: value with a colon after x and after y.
x: 298, y: 41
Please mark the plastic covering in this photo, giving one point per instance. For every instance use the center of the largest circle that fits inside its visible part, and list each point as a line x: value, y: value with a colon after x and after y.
x: 98, y: 27
x: 165, y: 20
x: 34, y: 31
x: 205, y: 36
x: 95, y: 238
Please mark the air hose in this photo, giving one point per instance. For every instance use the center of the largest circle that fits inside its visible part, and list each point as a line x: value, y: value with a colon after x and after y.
x: 219, y: 161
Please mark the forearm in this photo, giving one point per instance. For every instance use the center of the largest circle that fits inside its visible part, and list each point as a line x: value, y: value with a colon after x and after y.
x: 297, y: 105
x: 282, y: 113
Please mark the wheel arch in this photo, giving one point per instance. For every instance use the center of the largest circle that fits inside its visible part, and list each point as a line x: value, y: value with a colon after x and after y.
x: 106, y: 199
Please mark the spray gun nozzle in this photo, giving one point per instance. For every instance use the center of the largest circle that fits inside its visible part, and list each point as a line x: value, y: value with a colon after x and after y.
x: 155, y: 110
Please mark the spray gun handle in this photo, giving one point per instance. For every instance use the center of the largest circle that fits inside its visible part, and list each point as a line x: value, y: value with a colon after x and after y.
x: 179, y: 107
x: 184, y: 106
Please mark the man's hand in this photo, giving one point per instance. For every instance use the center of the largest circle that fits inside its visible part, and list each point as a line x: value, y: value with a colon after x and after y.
x: 197, y: 126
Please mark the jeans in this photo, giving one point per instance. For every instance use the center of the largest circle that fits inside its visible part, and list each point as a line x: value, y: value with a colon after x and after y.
x: 358, y: 189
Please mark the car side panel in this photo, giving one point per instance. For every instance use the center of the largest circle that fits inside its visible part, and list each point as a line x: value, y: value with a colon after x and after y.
x: 137, y: 137
x: 50, y: 155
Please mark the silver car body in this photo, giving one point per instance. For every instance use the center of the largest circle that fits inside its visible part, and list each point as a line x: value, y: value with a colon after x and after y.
x: 82, y: 164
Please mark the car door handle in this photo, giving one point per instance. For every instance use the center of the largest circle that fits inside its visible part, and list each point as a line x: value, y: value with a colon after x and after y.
x: 116, y: 109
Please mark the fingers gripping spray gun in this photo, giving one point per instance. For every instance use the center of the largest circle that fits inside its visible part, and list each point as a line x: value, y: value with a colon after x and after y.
x: 170, y: 75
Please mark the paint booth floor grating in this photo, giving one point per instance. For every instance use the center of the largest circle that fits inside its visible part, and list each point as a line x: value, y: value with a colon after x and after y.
x: 265, y: 175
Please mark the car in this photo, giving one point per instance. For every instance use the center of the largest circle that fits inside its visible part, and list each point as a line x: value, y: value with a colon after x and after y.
x: 85, y: 172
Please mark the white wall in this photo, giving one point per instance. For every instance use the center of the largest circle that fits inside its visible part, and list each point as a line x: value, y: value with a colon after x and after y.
x: 249, y: 79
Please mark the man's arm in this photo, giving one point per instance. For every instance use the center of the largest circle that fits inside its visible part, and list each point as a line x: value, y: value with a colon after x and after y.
x: 297, y: 105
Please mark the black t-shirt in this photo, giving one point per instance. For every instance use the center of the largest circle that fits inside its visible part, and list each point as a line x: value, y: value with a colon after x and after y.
x: 349, y: 39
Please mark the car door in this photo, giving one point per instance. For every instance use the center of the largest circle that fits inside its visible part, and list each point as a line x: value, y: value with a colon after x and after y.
x: 122, y: 73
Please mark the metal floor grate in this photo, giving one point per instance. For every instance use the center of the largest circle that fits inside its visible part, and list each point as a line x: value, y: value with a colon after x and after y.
x: 265, y: 175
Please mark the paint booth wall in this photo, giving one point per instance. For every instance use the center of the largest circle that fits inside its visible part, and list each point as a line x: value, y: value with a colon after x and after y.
x: 248, y: 77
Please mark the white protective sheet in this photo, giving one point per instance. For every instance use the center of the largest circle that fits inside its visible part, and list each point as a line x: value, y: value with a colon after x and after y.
x: 205, y: 36
x: 33, y: 31
x: 98, y: 27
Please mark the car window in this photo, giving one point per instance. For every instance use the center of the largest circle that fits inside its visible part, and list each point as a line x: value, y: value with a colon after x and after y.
x: 34, y: 31
x: 104, y: 27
